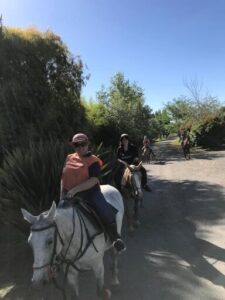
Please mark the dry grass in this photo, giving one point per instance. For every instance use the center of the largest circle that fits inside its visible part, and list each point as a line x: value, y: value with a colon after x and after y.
x: 5, y: 290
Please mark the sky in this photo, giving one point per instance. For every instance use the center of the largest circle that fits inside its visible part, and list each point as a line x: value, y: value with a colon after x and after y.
x: 158, y: 44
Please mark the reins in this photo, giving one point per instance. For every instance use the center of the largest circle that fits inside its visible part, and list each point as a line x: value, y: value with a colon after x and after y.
x: 55, y: 243
x: 58, y: 260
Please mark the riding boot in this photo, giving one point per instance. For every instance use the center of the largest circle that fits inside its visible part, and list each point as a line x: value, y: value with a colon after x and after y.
x: 115, y: 238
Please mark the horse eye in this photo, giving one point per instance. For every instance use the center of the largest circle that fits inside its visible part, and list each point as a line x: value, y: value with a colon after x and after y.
x: 49, y: 242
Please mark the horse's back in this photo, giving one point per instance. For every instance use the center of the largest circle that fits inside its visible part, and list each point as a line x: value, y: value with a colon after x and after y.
x: 113, y: 196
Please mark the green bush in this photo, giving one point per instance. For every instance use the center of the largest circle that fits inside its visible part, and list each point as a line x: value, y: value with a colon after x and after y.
x: 211, y: 131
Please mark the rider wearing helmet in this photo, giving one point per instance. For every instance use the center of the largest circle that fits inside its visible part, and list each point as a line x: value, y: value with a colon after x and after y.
x: 128, y: 153
x: 80, y: 177
x: 146, y: 142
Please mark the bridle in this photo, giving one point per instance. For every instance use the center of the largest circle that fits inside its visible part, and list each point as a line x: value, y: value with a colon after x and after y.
x: 58, y: 259
x: 134, y: 187
x: 51, y: 263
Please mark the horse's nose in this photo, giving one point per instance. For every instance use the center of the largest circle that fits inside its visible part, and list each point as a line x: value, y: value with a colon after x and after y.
x: 35, y: 284
x: 38, y: 283
x: 140, y: 195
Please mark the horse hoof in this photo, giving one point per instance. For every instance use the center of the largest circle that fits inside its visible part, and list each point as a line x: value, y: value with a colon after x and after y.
x: 115, y: 285
x: 106, y: 295
x: 131, y: 231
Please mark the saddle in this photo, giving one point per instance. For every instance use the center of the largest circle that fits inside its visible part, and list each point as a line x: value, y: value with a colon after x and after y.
x: 80, y: 203
x: 85, y: 208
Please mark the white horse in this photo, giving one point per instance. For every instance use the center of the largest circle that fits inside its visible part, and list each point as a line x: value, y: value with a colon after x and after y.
x: 66, y: 237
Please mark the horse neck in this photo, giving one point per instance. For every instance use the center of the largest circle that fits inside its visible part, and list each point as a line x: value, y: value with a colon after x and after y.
x: 69, y: 226
x: 128, y: 181
x: 137, y: 180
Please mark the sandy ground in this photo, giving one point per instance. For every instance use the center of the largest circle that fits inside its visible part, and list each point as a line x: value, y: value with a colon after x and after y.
x: 178, y: 253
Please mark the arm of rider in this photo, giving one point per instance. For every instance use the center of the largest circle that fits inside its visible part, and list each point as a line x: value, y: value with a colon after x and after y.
x: 63, y: 191
x: 122, y: 162
x: 86, y: 185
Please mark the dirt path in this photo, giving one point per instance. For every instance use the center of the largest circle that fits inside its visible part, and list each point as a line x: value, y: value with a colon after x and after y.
x: 178, y: 253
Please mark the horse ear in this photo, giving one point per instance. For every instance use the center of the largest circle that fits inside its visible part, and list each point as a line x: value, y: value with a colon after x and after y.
x: 139, y: 165
x: 52, y: 212
x: 28, y: 217
x: 131, y: 167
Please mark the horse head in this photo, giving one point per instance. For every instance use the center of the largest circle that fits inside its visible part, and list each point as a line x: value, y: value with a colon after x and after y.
x: 44, y: 242
x: 132, y: 178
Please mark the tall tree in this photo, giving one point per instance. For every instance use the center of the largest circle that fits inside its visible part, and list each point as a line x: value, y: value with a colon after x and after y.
x: 126, y: 110
x: 40, y: 83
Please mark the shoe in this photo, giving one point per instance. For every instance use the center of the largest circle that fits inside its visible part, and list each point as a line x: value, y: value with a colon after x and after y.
x: 147, y: 188
x: 119, y: 245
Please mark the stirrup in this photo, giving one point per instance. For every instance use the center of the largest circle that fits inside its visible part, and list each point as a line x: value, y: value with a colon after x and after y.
x: 119, y: 245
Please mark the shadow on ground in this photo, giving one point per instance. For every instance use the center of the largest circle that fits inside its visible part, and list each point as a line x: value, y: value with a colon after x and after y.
x: 164, y: 261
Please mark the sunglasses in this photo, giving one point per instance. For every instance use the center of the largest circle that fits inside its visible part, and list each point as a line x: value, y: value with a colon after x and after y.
x: 77, y: 145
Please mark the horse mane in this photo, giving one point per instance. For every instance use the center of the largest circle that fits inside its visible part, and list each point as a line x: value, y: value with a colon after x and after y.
x: 126, y: 179
x: 186, y: 141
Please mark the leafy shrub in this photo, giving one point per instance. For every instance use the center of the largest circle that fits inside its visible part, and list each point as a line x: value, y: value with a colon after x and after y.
x: 211, y: 131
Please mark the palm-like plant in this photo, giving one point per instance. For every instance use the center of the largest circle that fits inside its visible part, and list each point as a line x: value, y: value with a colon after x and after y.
x: 30, y: 178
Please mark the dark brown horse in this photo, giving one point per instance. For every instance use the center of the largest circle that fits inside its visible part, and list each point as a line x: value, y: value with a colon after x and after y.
x: 186, y: 146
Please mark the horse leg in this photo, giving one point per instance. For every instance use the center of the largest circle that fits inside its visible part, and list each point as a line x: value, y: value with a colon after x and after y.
x: 98, y: 268
x: 136, y: 212
x: 128, y: 211
x: 141, y: 202
x: 72, y: 279
x: 129, y: 215
x: 115, y: 270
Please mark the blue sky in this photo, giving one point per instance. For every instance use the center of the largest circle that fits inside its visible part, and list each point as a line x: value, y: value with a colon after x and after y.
x: 156, y: 43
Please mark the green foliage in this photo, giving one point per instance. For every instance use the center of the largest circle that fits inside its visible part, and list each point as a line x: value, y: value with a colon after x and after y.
x: 163, y: 123
x: 179, y: 110
x: 210, y: 132
x: 40, y: 87
x: 108, y: 157
x: 201, y: 114
x: 118, y: 109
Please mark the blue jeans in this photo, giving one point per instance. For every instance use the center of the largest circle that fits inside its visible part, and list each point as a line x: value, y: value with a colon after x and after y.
x: 95, y: 198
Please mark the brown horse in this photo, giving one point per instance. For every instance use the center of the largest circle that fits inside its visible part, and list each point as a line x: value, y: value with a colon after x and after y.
x: 132, y: 194
x: 148, y: 155
x: 186, y: 145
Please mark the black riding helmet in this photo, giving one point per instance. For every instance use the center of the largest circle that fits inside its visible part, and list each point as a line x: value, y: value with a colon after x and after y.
x: 124, y: 135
